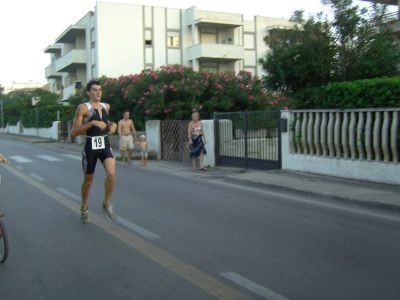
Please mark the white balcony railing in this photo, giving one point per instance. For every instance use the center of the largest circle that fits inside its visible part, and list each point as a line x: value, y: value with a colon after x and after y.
x: 71, y: 60
x: 216, y: 51
x: 68, y: 91
x: 50, y: 72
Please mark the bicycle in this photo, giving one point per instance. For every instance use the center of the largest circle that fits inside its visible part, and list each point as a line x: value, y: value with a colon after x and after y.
x: 3, y: 240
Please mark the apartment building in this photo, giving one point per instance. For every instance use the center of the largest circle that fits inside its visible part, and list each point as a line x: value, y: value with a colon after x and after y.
x: 119, y: 39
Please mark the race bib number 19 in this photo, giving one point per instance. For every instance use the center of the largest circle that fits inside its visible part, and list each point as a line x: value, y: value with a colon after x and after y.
x: 98, y: 142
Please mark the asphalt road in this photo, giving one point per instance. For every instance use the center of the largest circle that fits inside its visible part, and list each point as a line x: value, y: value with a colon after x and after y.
x: 181, y: 236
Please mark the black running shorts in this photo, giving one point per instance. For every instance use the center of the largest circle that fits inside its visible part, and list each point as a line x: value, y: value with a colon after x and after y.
x: 89, y: 157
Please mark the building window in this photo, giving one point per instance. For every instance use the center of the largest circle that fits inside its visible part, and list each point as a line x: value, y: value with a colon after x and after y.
x: 173, y: 39
x: 92, y: 38
x: 209, y: 67
x: 208, y: 35
x: 148, y: 37
x: 249, y: 41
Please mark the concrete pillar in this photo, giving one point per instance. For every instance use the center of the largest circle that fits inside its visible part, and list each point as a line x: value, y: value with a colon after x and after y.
x: 153, y: 136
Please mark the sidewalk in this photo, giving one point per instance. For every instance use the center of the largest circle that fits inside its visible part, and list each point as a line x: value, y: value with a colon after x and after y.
x: 360, y: 192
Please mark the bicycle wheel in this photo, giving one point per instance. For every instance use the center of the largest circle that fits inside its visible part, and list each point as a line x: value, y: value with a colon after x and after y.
x: 3, y: 242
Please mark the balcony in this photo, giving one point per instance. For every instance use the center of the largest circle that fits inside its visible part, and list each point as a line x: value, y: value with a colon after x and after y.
x: 54, y: 49
x: 70, y: 34
x: 216, y: 19
x: 68, y: 92
x: 50, y: 72
x: 71, y: 61
x: 221, y: 52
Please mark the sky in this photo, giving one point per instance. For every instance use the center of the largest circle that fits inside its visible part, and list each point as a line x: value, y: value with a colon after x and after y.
x: 27, y: 27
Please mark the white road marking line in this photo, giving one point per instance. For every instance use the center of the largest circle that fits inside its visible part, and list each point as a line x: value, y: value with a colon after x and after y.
x: 21, y: 159
x: 127, y: 224
x: 36, y: 176
x: 77, y: 157
x: 253, y: 287
x: 48, y: 158
x: 136, y: 228
x: 19, y: 168
x: 69, y: 194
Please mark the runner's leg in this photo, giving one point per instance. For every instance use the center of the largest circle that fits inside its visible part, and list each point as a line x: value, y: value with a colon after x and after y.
x: 87, y: 183
x: 109, y: 166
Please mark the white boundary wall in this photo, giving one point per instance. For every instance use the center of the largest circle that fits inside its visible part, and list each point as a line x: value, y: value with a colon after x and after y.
x: 385, y: 172
x: 49, y: 133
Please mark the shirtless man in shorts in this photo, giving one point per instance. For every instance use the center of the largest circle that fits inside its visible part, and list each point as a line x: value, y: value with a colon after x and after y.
x: 91, y: 118
x: 127, y: 132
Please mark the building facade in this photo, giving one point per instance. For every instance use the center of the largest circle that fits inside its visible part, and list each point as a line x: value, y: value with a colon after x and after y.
x: 120, y: 39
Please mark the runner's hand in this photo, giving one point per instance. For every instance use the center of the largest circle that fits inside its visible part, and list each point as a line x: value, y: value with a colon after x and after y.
x: 99, y: 124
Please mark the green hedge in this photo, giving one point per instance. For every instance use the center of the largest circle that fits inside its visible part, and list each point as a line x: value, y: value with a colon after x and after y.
x: 369, y: 93
x: 46, y: 115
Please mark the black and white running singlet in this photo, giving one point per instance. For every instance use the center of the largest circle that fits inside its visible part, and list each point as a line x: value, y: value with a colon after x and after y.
x: 97, y: 144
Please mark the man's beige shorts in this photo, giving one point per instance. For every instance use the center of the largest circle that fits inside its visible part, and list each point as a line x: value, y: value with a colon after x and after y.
x: 126, y: 142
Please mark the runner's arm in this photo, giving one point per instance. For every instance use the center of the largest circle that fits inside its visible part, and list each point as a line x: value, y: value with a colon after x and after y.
x: 112, y: 127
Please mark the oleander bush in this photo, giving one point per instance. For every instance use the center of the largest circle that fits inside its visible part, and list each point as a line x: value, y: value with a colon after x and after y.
x: 174, y: 92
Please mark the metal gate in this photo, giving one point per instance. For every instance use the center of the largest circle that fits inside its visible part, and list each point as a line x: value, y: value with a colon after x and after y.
x: 248, y: 139
x: 174, y: 141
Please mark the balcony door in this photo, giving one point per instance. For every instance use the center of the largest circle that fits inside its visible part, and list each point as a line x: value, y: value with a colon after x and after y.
x: 208, y: 35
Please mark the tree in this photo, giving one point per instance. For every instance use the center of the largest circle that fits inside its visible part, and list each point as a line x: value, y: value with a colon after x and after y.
x: 299, y: 57
x: 356, y: 44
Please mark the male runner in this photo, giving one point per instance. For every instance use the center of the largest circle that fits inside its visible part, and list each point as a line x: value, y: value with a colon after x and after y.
x: 127, y: 131
x: 91, y: 118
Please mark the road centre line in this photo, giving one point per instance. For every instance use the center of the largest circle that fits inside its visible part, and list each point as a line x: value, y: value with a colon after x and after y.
x: 253, y: 287
x: 69, y: 194
x: 20, y: 159
x: 138, y: 229
x: 123, y: 222
x: 37, y: 177
x: 48, y: 158
x: 77, y: 157
x: 209, y: 284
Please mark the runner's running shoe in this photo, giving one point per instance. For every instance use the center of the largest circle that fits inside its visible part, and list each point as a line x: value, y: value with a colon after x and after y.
x: 85, y: 216
x: 110, y: 212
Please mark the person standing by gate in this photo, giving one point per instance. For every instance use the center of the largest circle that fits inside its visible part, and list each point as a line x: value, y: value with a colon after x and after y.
x: 197, y: 141
x: 127, y: 133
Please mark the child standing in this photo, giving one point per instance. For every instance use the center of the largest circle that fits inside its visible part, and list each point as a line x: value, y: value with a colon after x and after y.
x: 143, y: 149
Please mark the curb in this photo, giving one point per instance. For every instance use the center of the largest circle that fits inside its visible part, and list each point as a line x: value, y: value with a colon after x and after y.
x: 360, y: 202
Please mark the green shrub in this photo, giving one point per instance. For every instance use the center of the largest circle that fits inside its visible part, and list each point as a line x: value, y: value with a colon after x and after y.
x: 369, y: 93
x: 46, y: 115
